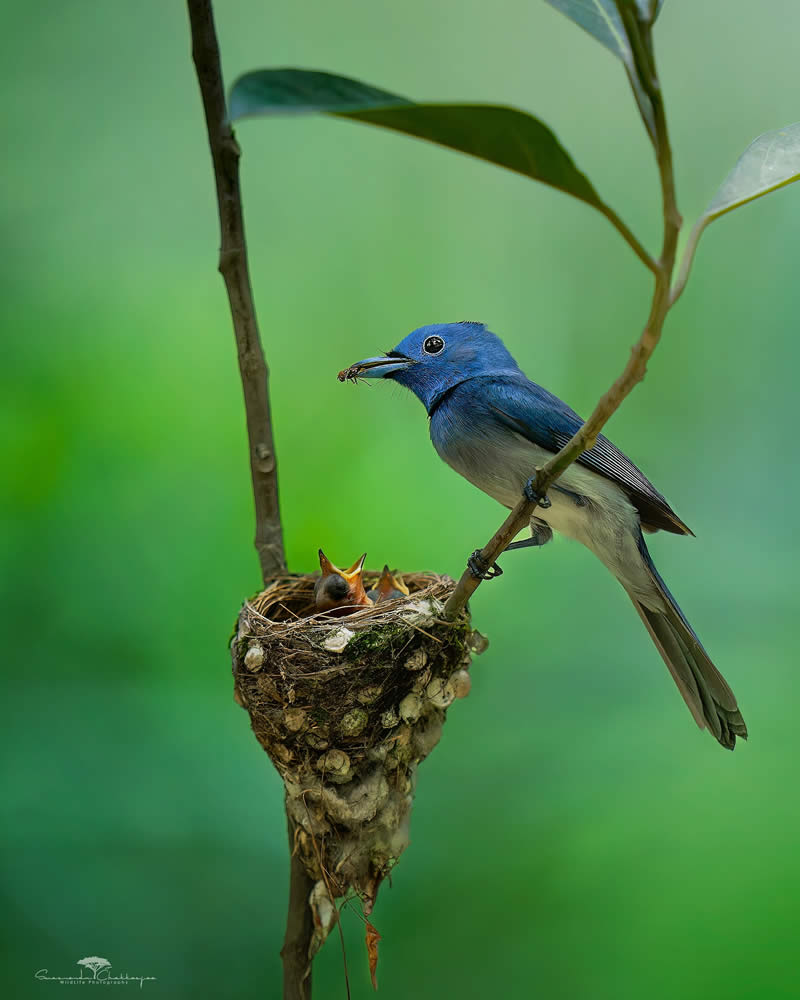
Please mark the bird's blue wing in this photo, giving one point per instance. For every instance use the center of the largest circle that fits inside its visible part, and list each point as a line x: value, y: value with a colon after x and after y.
x: 545, y: 420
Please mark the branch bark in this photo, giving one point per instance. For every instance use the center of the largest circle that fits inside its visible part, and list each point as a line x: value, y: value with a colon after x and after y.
x: 635, y: 369
x: 254, y: 374
x: 233, y: 266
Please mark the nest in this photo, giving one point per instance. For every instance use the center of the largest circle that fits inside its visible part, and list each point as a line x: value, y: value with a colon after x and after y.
x: 346, y: 708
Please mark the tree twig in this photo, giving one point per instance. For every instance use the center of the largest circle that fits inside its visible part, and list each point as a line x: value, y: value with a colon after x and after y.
x: 233, y: 267
x: 635, y: 369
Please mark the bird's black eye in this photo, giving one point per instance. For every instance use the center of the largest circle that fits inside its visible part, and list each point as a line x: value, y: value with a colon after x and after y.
x: 433, y: 345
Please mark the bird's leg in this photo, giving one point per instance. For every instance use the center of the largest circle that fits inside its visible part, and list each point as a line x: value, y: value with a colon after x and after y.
x: 526, y: 543
x: 481, y: 569
x: 541, y: 534
x: 530, y: 494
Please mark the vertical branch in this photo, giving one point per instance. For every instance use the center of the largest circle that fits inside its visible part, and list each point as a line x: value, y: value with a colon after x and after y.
x: 253, y: 370
x: 299, y: 929
x: 233, y: 267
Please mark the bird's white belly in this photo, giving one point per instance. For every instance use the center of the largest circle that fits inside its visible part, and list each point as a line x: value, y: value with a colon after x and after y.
x: 605, y: 522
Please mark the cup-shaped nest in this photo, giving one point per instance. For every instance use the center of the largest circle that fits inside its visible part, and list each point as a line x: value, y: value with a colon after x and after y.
x: 346, y: 708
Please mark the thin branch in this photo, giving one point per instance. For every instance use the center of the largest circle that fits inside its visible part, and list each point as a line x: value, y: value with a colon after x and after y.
x: 233, y: 267
x: 634, y: 370
x: 642, y: 55
x: 641, y: 74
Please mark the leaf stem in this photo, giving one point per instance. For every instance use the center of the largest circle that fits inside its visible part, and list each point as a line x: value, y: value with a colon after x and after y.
x: 648, y: 261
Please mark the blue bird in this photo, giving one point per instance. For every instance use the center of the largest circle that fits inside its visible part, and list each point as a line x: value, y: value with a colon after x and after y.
x: 494, y: 426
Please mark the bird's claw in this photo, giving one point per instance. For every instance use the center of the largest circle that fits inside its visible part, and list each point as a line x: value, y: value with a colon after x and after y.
x: 481, y: 569
x: 531, y: 495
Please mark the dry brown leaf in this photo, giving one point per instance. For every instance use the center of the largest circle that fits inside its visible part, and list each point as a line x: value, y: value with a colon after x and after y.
x: 373, y: 937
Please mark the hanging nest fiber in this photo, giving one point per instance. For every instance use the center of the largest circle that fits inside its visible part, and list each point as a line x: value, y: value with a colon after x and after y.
x: 346, y: 708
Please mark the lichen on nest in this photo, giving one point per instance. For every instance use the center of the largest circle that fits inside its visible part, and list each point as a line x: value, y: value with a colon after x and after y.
x: 346, y: 708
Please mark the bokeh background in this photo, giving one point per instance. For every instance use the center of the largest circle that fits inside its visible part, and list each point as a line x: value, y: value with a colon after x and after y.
x: 574, y: 834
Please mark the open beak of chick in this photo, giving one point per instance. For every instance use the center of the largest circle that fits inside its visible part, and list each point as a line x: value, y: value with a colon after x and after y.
x: 340, y: 589
x: 388, y: 587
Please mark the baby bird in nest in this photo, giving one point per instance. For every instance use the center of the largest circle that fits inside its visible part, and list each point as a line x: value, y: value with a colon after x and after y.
x: 388, y: 587
x: 340, y: 591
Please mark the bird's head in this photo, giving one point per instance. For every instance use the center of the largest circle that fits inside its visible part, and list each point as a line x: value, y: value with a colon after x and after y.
x: 433, y: 359
x: 389, y: 587
x: 340, y: 587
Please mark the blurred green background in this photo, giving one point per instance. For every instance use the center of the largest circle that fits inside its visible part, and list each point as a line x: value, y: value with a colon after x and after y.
x: 574, y: 835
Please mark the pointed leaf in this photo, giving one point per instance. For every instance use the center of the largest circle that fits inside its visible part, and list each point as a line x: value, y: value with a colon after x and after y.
x: 602, y: 20
x: 770, y: 162
x: 502, y: 135
x: 301, y: 91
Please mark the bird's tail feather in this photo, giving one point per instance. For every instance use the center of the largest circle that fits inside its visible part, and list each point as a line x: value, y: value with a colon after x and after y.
x: 704, y: 689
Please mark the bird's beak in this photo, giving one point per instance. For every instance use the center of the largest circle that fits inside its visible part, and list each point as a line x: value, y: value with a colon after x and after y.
x: 326, y: 565
x: 355, y: 570
x: 380, y: 367
x: 350, y: 575
x: 399, y: 584
x: 355, y: 581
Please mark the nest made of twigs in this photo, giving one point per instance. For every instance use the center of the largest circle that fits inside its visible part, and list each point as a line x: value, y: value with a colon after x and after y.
x: 346, y: 707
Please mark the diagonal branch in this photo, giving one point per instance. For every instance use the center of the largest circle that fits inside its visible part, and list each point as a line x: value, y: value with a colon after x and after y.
x: 636, y: 367
x: 233, y: 267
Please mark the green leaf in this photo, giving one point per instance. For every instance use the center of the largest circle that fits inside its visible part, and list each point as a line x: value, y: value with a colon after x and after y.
x: 602, y: 20
x: 506, y: 136
x: 770, y: 162
x: 302, y: 91
x: 502, y: 135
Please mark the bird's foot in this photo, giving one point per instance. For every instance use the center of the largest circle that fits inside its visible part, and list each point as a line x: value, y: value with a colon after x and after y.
x: 481, y: 569
x: 530, y: 493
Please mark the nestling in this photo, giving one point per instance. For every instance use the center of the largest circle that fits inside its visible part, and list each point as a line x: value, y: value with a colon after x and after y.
x: 388, y: 587
x: 340, y: 591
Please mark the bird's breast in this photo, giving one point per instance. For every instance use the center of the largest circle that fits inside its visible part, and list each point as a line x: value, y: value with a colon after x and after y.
x: 588, y: 507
